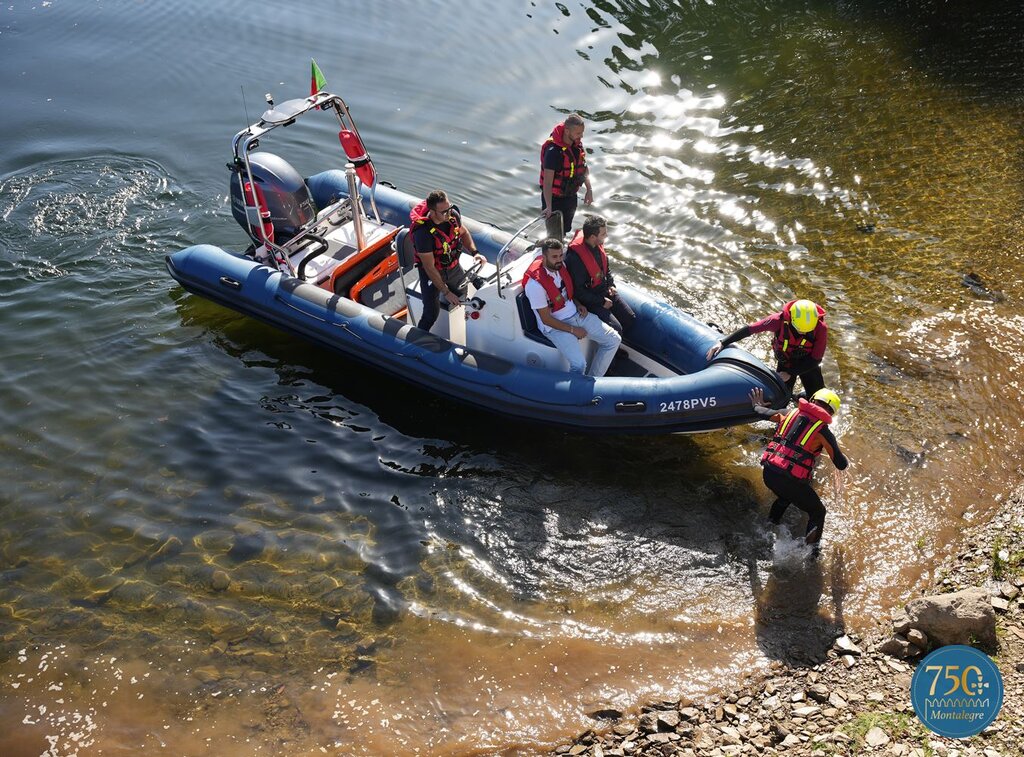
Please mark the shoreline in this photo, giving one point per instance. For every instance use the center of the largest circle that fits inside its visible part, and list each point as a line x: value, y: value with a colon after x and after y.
x: 856, y: 701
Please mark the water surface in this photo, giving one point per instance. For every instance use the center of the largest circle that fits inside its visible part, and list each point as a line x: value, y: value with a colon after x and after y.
x: 220, y: 540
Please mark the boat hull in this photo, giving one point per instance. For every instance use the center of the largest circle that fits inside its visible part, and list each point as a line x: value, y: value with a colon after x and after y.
x: 703, y: 399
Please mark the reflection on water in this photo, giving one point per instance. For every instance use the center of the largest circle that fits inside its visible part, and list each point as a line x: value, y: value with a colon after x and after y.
x: 216, y: 537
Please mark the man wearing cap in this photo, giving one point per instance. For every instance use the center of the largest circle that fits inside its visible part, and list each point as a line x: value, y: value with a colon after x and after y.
x: 799, y: 336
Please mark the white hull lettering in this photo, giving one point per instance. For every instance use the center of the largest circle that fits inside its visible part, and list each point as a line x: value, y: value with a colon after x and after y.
x: 691, y: 404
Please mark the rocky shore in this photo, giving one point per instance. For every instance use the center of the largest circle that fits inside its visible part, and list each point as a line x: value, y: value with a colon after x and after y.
x: 857, y: 701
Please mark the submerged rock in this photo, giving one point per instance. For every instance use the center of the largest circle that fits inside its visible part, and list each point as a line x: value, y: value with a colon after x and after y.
x: 605, y: 711
x: 101, y: 590
x: 973, y: 282
x: 168, y: 549
x: 247, y: 546
x: 219, y: 581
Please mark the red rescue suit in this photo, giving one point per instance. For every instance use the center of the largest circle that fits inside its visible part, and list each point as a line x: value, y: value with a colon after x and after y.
x: 789, y: 345
x: 797, y: 442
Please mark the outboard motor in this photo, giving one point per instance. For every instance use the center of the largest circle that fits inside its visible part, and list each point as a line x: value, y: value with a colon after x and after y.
x: 283, y: 190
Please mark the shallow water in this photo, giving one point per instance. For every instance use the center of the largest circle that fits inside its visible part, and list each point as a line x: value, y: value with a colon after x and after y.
x: 219, y: 540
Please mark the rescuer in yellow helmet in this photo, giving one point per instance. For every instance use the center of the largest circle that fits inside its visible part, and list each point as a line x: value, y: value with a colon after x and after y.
x: 799, y: 336
x: 801, y: 435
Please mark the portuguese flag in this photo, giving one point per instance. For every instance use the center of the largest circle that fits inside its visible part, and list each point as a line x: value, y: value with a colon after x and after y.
x: 316, y: 79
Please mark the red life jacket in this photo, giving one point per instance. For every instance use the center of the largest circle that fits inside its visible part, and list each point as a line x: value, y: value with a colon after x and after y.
x: 595, y: 271
x: 795, y: 447
x: 789, y: 345
x: 556, y: 299
x: 447, y: 247
x: 569, y: 178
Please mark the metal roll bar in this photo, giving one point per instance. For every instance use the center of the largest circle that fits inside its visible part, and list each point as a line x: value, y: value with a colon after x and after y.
x: 283, y: 115
x: 506, y: 248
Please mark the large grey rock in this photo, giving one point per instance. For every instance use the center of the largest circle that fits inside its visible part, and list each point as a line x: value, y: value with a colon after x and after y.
x: 818, y: 692
x: 963, y: 617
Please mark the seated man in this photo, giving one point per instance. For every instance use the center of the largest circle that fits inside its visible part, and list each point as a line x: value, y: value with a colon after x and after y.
x: 591, y: 280
x: 438, y: 237
x: 560, y: 319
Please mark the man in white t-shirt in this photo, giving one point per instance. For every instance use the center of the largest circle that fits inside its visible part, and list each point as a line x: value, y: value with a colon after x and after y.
x: 548, y: 287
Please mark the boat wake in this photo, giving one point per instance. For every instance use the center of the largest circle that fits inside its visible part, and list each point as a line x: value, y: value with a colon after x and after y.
x: 107, y: 208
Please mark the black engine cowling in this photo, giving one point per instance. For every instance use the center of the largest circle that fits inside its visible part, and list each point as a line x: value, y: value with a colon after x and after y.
x: 284, y: 191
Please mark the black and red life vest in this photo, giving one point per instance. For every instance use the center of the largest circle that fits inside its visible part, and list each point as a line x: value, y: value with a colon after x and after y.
x: 569, y: 178
x: 789, y: 345
x: 596, y: 272
x: 447, y: 247
x: 797, y: 441
x: 557, y: 299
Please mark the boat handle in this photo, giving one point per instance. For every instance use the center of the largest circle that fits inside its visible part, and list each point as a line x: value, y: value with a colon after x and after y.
x: 319, y: 246
x: 230, y: 283
x: 630, y: 407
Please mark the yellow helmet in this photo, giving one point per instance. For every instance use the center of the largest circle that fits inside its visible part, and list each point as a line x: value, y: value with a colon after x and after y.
x: 803, y: 314
x: 829, y: 397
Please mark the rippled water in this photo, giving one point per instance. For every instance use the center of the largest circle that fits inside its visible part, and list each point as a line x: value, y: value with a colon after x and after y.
x: 217, y: 539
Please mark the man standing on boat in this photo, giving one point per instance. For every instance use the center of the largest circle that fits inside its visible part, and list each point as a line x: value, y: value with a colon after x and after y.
x: 563, y: 170
x: 438, y: 237
x: 550, y: 292
x: 592, y: 282
x: 800, y: 437
x: 799, y: 338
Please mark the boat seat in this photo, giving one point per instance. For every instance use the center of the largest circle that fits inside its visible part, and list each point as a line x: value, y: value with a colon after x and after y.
x: 380, y: 288
x: 383, y: 295
x: 353, y: 269
x: 528, y: 320
x: 406, y: 252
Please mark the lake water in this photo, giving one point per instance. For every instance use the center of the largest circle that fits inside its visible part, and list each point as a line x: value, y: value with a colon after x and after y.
x: 404, y: 575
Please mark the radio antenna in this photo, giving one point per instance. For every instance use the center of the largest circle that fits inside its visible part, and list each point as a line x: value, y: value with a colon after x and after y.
x: 244, y: 107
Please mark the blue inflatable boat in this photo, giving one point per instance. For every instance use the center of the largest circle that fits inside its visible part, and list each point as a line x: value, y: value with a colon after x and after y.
x: 331, y: 262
